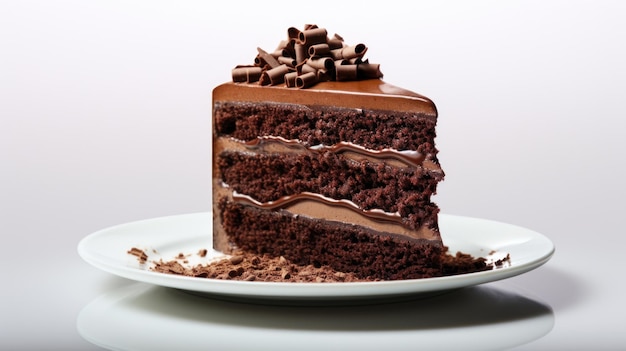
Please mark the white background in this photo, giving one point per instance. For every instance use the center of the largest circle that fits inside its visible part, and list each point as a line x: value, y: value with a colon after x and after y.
x: 105, y: 118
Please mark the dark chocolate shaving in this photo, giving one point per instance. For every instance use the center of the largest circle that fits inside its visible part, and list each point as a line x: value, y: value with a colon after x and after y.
x: 321, y: 62
x: 349, y: 52
x: 300, y: 52
x: 369, y: 70
x: 307, y: 57
x: 274, y: 75
x: 313, y: 36
x: 306, y: 80
x: 247, y: 74
x: 287, y: 61
x: 319, y: 49
x: 346, y: 72
x: 267, y: 59
x: 293, y: 33
x: 335, y: 43
x: 290, y: 79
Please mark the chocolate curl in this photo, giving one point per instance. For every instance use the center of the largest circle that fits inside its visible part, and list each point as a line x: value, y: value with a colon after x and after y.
x: 335, y: 44
x: 282, y: 45
x: 357, y: 61
x: 301, y: 52
x: 304, y: 68
x: 308, y: 57
x: 349, y: 52
x: 275, y: 75
x: 306, y: 80
x: 324, y: 75
x: 279, y: 53
x: 319, y: 50
x: 290, y: 79
x: 284, y: 48
x: 289, y: 50
x: 313, y: 36
x: 267, y: 58
x: 246, y: 74
x: 284, y: 60
x: 293, y: 33
x: 369, y: 70
x: 346, y: 72
x: 342, y: 62
x: 321, y: 62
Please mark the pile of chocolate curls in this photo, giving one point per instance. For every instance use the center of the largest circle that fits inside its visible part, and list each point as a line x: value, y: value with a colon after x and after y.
x: 306, y: 58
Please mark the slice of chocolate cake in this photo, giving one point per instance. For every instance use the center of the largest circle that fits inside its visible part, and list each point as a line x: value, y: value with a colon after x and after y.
x: 338, y: 173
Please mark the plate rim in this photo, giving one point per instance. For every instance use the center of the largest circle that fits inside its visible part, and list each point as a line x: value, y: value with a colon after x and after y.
x: 309, y: 290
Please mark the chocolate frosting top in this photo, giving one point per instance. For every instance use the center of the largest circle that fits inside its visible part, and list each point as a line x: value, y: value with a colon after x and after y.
x: 374, y: 94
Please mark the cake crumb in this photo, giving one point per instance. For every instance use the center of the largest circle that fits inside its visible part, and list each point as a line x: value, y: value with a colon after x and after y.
x: 503, y: 261
x: 141, y: 255
x: 252, y: 267
x: 247, y: 266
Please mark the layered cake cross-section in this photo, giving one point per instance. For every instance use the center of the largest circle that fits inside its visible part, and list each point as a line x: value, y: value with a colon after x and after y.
x: 326, y: 171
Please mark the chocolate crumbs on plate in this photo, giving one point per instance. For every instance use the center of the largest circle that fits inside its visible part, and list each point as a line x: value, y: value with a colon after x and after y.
x: 246, y: 266
x: 141, y: 255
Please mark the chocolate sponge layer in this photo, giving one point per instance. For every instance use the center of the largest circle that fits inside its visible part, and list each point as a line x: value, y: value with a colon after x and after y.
x: 405, y: 190
x: 345, y: 248
x: 327, y: 125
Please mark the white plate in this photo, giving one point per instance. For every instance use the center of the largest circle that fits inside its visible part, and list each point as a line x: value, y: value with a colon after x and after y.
x: 166, y: 237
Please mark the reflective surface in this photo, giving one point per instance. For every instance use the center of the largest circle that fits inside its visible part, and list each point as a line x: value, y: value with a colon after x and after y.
x: 143, y: 317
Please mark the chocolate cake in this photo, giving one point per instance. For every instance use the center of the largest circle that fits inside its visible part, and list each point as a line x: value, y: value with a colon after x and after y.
x: 326, y: 165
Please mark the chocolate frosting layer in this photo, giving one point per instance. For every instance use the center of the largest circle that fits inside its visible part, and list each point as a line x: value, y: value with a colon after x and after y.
x: 293, y: 168
x: 316, y: 206
x: 410, y: 158
x: 285, y: 201
x: 366, y: 94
